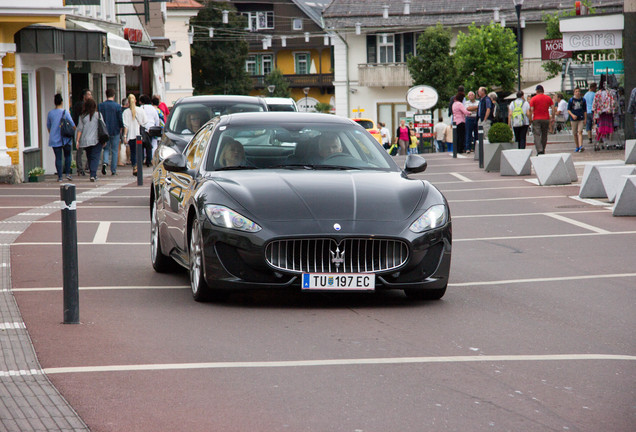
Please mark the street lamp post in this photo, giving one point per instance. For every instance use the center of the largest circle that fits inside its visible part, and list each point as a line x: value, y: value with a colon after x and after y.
x: 518, y: 4
x: 306, y: 91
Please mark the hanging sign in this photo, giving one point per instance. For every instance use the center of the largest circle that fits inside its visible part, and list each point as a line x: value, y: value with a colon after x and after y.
x: 422, y: 97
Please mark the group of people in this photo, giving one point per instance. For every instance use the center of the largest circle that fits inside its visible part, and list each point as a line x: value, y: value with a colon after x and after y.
x: 468, y: 113
x: 123, y: 123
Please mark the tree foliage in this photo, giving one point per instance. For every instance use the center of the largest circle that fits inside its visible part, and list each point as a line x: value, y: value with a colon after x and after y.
x: 276, y: 78
x: 487, y: 56
x: 218, y: 63
x: 433, y: 64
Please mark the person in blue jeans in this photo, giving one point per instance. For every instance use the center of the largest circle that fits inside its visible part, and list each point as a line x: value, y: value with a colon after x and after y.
x: 61, y: 146
x: 471, y: 122
x: 589, y: 100
x: 112, y: 113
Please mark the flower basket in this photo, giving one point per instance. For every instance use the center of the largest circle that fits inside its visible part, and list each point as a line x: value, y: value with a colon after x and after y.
x: 36, y: 175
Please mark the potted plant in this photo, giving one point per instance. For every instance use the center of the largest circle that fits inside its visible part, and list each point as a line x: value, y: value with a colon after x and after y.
x: 73, y: 166
x: 500, y: 137
x: 36, y: 174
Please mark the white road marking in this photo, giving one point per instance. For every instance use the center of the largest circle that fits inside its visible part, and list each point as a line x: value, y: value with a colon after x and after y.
x: 547, y: 279
x: 101, y: 235
x: 81, y: 244
x: 525, y: 214
x: 12, y: 326
x: 104, y: 288
x: 493, y: 189
x: 503, y: 199
x: 536, y: 183
x: 543, y: 236
x: 10, y: 232
x: 334, y: 362
x: 577, y: 223
x: 461, y: 177
x: 592, y: 201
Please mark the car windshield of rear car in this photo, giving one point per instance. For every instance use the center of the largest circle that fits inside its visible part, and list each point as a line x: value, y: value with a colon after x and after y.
x: 367, y: 124
x: 187, y: 118
x: 281, y: 107
x: 296, y: 146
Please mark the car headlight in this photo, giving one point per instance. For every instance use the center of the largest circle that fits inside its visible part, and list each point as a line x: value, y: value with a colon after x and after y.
x: 227, y: 218
x: 434, y: 217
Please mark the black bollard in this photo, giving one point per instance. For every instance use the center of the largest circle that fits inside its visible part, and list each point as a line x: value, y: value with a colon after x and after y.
x: 69, y: 254
x: 140, y: 162
x: 480, y: 130
x: 454, y: 140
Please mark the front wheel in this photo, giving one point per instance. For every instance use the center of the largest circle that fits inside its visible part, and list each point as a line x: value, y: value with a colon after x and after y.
x: 425, y: 294
x: 197, y: 281
x: 160, y: 262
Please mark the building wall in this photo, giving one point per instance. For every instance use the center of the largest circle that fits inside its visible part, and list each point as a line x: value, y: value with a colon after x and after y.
x: 178, y: 70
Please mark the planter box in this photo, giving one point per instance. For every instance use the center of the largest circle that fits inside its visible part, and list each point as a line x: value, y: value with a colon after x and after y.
x: 36, y: 179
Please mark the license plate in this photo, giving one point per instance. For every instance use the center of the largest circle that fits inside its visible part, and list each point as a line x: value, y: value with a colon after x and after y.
x: 339, y: 281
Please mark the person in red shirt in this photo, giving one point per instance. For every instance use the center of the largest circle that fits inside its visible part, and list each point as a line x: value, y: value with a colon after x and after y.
x: 541, y: 118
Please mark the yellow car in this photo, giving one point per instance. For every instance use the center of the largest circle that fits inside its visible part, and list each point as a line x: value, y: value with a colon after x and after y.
x: 369, y: 125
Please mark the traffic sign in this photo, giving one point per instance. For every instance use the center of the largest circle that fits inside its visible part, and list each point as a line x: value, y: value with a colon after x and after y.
x: 422, y: 97
x: 609, y: 66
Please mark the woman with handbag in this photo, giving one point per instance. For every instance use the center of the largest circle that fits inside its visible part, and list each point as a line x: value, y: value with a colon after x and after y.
x: 88, y: 135
x: 61, y: 130
x: 133, y: 117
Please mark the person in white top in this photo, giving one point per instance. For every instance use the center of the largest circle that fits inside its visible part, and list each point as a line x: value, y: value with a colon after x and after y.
x: 385, y: 134
x: 133, y: 117
x: 561, y: 114
x: 440, y: 131
x: 518, y: 119
x: 152, y: 119
x: 471, y: 105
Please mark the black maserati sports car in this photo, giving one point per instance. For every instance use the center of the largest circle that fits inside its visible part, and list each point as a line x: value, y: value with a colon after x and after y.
x: 301, y: 201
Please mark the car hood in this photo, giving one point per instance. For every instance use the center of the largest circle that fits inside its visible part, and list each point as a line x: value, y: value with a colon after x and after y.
x: 283, y: 195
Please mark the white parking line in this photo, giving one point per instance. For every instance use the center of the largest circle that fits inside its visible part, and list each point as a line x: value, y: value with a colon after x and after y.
x: 503, y: 199
x: 543, y: 236
x: 577, y: 223
x: 102, y: 288
x: 81, y: 244
x: 335, y: 362
x: 101, y: 235
x: 550, y: 279
x: 525, y: 214
x: 461, y: 177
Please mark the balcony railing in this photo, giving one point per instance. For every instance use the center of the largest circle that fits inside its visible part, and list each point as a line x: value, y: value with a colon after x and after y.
x: 384, y: 75
x: 298, y: 81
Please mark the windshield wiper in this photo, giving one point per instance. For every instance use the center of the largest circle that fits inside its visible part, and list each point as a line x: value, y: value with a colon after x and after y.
x: 236, y: 167
x: 335, y: 167
x: 292, y: 166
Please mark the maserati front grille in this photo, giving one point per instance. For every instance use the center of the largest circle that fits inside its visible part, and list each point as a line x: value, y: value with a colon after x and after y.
x: 324, y: 255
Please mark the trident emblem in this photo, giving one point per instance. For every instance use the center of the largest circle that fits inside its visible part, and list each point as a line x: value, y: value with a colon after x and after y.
x: 337, y: 257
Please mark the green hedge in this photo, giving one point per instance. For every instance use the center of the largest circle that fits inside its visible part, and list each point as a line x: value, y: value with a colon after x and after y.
x: 500, y: 133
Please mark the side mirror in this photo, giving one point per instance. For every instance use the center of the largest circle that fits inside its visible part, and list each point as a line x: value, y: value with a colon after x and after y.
x: 415, y: 164
x: 176, y: 162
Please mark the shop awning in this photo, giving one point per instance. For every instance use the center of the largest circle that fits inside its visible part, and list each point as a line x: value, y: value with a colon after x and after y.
x: 120, y: 51
x: 74, y: 45
x: 553, y: 85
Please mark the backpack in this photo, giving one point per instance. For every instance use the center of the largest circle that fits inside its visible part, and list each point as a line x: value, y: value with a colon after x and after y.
x: 66, y: 128
x: 517, y: 115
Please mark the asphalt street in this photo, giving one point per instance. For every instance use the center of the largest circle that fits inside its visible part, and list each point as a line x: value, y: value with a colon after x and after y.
x: 535, y: 333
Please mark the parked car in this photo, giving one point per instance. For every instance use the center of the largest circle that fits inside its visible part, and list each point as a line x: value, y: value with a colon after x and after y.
x: 281, y: 104
x: 370, y: 125
x: 329, y: 211
x: 181, y: 126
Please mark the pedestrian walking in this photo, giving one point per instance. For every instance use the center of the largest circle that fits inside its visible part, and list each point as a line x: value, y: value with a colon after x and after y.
x: 472, y: 137
x: 459, y: 115
x: 403, y: 135
x: 133, y: 118
x: 541, y: 117
x: 61, y: 145
x: 78, y: 110
x: 152, y: 119
x: 484, y: 110
x: 448, y: 137
x: 385, y: 134
x: 413, y: 143
x: 518, y: 119
x: 631, y: 106
x: 162, y: 106
x: 112, y: 113
x: 577, y: 110
x: 589, y: 101
x: 603, y: 107
x: 440, y: 135
x: 87, y: 136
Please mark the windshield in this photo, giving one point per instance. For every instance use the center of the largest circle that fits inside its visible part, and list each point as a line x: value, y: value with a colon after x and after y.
x: 281, y: 107
x: 296, y: 146
x: 367, y: 124
x: 187, y: 118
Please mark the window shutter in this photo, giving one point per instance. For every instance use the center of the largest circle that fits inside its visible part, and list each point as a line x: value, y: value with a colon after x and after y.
x: 408, y: 44
x: 371, y: 49
x: 398, y: 48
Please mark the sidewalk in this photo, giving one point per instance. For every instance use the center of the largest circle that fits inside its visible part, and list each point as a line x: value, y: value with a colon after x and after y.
x: 28, y: 400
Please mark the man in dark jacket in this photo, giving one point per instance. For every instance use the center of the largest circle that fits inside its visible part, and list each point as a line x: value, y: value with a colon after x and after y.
x: 78, y: 108
x: 112, y: 114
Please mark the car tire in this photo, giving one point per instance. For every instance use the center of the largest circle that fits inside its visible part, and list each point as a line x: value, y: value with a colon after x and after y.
x: 425, y: 294
x: 197, y: 280
x: 160, y: 262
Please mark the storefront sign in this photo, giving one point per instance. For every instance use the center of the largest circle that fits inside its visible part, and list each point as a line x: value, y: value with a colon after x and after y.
x: 422, y: 97
x: 592, y: 40
x: 552, y: 49
x: 609, y: 66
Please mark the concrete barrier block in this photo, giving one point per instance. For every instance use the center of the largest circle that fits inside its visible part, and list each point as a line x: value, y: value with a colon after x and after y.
x: 591, y: 184
x: 492, y: 155
x: 515, y: 162
x: 630, y: 151
x: 611, y: 177
x: 569, y: 165
x: 626, y: 198
x: 550, y: 170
